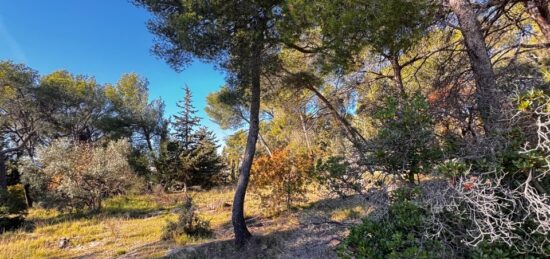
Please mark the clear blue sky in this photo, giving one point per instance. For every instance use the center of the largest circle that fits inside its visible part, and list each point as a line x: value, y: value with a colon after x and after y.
x: 100, y: 38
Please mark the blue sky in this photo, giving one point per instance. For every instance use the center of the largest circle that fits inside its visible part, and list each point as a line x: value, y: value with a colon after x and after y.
x: 100, y: 38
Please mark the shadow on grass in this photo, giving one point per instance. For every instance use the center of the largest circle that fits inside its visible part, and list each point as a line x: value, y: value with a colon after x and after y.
x: 317, y: 235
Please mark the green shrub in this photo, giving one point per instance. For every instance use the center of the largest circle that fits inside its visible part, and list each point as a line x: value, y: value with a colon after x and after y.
x: 397, y: 235
x: 339, y: 176
x: 188, y: 223
x: 12, y: 207
x: 12, y: 201
x: 80, y: 175
x: 405, y: 143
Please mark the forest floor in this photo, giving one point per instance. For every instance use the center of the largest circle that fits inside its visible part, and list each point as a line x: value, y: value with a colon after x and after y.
x: 132, y: 226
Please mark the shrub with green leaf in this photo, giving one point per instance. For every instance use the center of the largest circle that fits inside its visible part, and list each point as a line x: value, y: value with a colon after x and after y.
x: 12, y: 207
x: 399, y: 234
x: 188, y: 223
x: 80, y: 175
x: 405, y: 144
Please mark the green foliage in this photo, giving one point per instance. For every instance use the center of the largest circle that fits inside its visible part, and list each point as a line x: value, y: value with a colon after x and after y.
x: 452, y: 168
x: 13, y: 207
x: 186, y: 121
x: 188, y: 223
x: 77, y: 175
x: 486, y: 250
x: 202, y: 163
x: 12, y: 201
x: 225, y: 108
x: 405, y: 143
x: 397, y: 235
x: 389, y: 27
x: 79, y: 104
x: 337, y: 174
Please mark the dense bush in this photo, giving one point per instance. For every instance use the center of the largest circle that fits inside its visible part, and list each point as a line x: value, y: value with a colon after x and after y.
x: 339, y: 175
x: 188, y: 223
x: 398, y: 234
x: 12, y: 200
x: 12, y: 207
x: 406, y: 143
x: 281, y: 179
x: 80, y: 175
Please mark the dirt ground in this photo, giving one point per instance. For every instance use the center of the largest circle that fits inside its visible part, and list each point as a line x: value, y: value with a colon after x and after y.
x: 311, y: 232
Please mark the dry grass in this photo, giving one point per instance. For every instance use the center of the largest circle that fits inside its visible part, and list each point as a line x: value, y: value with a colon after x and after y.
x: 131, y: 226
x: 114, y: 232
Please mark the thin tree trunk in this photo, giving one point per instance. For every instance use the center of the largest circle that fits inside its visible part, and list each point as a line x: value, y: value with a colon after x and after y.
x: 539, y: 12
x: 486, y: 89
x: 353, y: 133
x: 28, y: 198
x: 264, y: 143
x: 304, y: 129
x: 237, y: 218
x: 261, y: 137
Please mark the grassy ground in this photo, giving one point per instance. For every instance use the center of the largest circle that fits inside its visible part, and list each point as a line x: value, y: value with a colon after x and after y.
x: 131, y: 226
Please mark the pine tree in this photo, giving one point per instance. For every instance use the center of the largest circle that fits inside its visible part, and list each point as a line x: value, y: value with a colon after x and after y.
x: 186, y: 120
x: 202, y: 162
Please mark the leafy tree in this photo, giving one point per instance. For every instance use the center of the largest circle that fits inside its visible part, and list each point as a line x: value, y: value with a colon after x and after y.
x: 405, y: 144
x: 20, y: 120
x: 79, y: 107
x: 134, y: 114
x: 136, y: 118
x: 239, y: 37
x: 227, y: 108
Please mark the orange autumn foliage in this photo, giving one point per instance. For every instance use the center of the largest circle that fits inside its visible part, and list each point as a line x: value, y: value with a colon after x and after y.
x: 281, y: 179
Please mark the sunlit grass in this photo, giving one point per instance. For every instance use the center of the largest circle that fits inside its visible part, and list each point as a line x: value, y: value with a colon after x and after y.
x: 123, y: 225
x: 133, y: 225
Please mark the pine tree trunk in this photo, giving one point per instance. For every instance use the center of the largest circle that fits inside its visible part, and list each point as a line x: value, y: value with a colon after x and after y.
x: 264, y: 143
x: 237, y: 218
x: 486, y: 89
x: 355, y: 137
x: 538, y: 9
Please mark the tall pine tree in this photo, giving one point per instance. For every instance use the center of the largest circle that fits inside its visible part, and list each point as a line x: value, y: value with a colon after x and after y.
x: 186, y: 120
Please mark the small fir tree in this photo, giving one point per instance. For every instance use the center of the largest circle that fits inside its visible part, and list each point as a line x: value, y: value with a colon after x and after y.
x: 186, y: 120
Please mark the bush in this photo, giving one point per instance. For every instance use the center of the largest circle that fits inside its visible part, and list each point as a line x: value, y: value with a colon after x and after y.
x: 281, y: 179
x: 399, y: 234
x: 406, y: 143
x: 339, y: 176
x: 12, y: 207
x: 188, y: 223
x: 79, y: 175
x: 12, y: 201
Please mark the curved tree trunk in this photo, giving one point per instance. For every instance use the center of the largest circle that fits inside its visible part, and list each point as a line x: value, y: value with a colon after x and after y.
x: 486, y: 89
x: 237, y: 218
